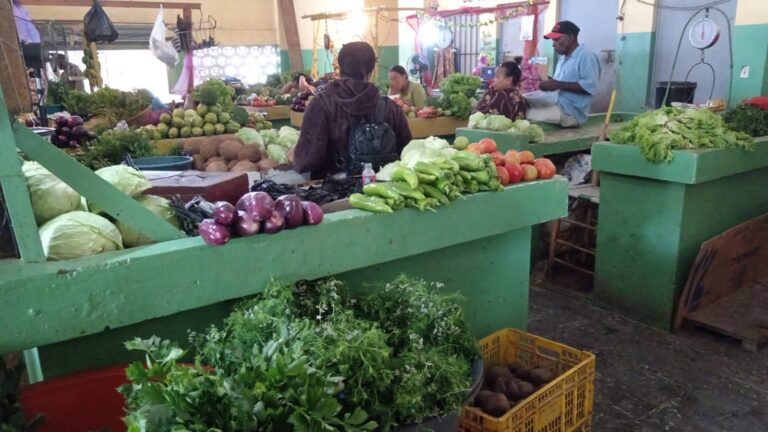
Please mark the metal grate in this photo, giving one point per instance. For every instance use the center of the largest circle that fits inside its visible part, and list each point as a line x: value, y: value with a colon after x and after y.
x: 466, y: 41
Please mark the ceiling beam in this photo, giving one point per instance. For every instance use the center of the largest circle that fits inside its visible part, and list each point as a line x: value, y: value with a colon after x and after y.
x: 113, y: 3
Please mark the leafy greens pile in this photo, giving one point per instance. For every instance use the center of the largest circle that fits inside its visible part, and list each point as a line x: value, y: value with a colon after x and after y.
x: 500, y: 123
x: 749, y: 119
x: 112, y: 146
x: 309, y: 358
x: 458, y: 93
x: 215, y: 92
x: 659, y: 132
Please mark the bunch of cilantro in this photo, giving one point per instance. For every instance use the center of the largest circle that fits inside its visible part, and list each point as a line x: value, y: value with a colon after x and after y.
x: 311, y: 357
x: 659, y: 132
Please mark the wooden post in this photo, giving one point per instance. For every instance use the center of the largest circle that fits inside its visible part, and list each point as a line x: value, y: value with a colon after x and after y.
x: 288, y: 12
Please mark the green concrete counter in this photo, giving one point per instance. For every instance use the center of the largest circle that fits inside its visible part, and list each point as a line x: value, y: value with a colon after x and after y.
x: 556, y: 139
x: 654, y: 217
x: 479, y: 247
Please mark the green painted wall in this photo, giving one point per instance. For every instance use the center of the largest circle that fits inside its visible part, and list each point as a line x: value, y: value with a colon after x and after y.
x: 388, y: 56
x: 750, y: 47
x: 285, y: 61
x: 634, y: 65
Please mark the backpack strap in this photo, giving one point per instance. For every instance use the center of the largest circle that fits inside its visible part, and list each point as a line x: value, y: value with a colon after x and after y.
x: 381, y: 110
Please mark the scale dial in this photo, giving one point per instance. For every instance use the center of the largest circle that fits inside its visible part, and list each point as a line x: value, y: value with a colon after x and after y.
x: 444, y: 38
x: 704, y: 33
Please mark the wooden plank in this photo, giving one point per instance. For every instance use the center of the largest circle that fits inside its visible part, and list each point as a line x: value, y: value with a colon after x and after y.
x: 725, y: 264
x: 420, y: 128
x: 742, y: 315
x: 13, y: 76
x: 113, y: 4
x: 16, y: 193
x: 94, y: 188
x: 291, y: 29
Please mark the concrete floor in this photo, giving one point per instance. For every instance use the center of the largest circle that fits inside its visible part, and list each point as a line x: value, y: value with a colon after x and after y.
x: 649, y: 380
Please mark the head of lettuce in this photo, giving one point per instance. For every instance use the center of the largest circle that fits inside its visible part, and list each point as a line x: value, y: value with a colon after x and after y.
x: 77, y: 234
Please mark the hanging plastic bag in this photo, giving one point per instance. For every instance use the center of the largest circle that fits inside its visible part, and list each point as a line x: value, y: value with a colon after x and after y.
x: 186, y: 79
x: 24, y: 27
x: 161, y: 48
x: 98, y: 27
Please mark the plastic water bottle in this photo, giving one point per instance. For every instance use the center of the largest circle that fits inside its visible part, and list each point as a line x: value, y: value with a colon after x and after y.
x: 369, y: 175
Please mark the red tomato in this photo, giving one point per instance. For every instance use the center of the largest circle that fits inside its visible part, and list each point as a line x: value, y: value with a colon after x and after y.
x: 503, y: 175
x: 475, y: 148
x: 545, y: 168
x: 529, y: 172
x: 515, y: 172
x: 498, y: 158
x: 488, y: 145
x: 511, y: 157
x: 526, y: 157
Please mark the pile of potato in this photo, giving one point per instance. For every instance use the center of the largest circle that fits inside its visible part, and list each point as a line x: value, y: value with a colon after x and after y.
x: 505, y: 386
x: 224, y: 153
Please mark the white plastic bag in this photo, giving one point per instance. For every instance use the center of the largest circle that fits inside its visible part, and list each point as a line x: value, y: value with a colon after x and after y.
x: 161, y: 48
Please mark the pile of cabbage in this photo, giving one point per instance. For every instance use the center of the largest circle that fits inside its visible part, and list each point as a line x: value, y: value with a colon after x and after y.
x: 275, y: 143
x: 500, y: 123
x: 69, y: 230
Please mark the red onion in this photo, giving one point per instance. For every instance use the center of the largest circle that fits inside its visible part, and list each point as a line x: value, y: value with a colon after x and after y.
x: 246, y: 225
x: 224, y: 213
x: 313, y: 214
x: 289, y: 207
x: 257, y: 204
x: 74, y: 121
x: 274, y: 224
x: 213, y: 233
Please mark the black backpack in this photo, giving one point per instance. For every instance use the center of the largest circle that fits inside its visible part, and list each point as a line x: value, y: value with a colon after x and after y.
x: 371, y: 140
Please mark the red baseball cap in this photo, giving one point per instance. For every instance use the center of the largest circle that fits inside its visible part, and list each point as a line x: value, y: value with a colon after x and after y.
x: 562, y: 28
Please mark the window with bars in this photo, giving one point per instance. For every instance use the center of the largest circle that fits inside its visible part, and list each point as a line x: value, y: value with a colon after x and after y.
x: 250, y: 64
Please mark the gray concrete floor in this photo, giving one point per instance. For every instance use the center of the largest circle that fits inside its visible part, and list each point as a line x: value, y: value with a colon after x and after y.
x: 649, y: 380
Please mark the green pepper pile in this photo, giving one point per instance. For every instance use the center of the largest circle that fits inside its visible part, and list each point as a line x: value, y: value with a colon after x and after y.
x: 430, y: 185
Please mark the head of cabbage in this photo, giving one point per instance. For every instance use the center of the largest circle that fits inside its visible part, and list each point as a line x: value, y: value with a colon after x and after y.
x: 126, y: 179
x: 157, y: 205
x: 77, y: 234
x: 50, y: 196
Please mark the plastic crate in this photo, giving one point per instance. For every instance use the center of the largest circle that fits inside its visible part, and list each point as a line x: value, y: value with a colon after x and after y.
x: 563, y: 405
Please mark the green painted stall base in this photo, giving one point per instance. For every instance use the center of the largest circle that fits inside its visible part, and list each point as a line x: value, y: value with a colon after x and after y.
x: 654, y: 217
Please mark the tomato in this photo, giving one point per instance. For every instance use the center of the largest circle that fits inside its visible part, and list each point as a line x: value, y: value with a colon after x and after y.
x: 526, y: 157
x: 488, y: 145
x: 475, y: 148
x: 515, y: 172
x: 529, y: 172
x: 503, y: 175
x: 545, y: 168
x: 498, y: 158
x: 511, y: 157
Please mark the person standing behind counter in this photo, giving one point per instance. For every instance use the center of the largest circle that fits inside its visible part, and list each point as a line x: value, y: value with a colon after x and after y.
x: 323, y: 146
x: 575, y: 81
x: 503, y: 97
x: 410, y: 92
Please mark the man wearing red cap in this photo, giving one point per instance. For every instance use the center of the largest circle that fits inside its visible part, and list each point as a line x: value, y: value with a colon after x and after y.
x: 575, y: 81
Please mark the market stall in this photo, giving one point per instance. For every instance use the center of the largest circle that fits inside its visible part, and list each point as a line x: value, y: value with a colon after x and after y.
x: 654, y: 217
x: 420, y: 128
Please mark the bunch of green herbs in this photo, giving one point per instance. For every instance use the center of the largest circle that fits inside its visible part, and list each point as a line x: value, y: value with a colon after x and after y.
x: 111, y: 147
x: 215, y: 92
x: 78, y: 102
x: 749, y: 119
x: 659, y: 132
x: 361, y: 368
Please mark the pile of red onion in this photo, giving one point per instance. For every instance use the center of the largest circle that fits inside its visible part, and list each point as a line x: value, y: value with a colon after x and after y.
x: 255, y: 213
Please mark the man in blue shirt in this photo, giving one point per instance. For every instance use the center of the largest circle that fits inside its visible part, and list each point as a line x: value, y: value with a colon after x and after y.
x: 575, y: 81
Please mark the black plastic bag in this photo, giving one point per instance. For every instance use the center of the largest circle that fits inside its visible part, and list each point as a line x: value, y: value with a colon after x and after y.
x: 98, y: 26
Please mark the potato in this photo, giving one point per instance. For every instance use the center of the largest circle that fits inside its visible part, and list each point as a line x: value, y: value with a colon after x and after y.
x: 266, y: 164
x: 249, y: 153
x: 496, y: 372
x: 526, y: 389
x: 209, y: 149
x: 198, y: 162
x: 541, y: 376
x: 496, y: 405
x: 216, y: 166
x: 215, y: 159
x: 510, y: 387
x: 232, y: 164
x: 482, y: 397
x: 518, y: 370
x: 228, y: 150
x: 244, y: 166
x: 192, y: 145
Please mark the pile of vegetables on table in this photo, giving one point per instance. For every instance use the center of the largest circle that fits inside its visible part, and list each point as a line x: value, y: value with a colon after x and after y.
x: 70, y: 132
x: 257, y: 212
x: 659, y: 132
x: 301, y: 101
x: 513, y: 166
x: 749, y: 118
x: 427, y: 112
x: 507, y: 385
x: 458, y: 94
x: 203, y: 120
x: 72, y: 228
x: 258, y: 122
x: 247, y: 150
x: 111, y: 147
x: 500, y: 123
x: 311, y: 357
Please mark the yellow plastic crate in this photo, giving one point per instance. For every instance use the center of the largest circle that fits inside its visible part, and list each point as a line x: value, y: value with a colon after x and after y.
x: 563, y: 405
